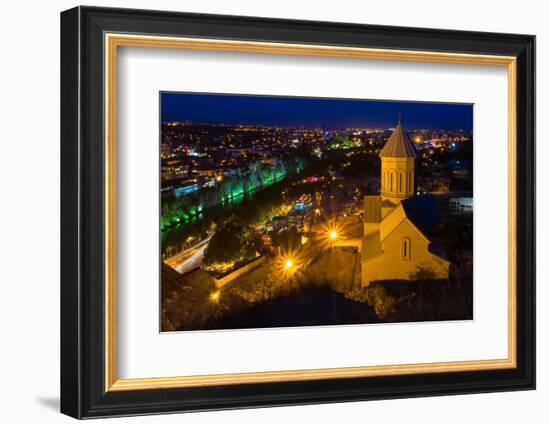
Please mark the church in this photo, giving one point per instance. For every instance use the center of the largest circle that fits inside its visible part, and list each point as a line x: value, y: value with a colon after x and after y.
x: 395, y: 244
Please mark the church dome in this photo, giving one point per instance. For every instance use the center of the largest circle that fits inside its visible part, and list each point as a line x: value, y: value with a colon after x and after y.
x: 399, y: 145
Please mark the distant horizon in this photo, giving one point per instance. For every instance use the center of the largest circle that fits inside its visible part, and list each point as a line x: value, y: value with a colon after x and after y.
x: 312, y: 112
x: 407, y: 128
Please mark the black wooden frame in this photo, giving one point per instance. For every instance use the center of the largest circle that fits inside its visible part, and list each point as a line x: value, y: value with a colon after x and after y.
x: 82, y: 204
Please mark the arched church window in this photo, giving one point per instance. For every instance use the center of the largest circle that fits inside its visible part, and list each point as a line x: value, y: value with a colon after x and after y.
x: 406, y: 249
x: 400, y: 182
x: 391, y: 181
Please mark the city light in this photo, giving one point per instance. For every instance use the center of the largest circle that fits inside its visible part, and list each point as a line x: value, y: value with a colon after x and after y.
x: 215, y: 296
x: 289, y: 264
x: 330, y: 233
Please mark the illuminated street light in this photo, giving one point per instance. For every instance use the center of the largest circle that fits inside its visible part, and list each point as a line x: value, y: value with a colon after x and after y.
x: 215, y: 296
x: 289, y: 263
x: 330, y: 233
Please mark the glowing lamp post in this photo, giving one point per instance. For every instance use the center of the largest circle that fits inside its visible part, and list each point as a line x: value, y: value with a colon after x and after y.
x: 215, y: 296
x: 288, y: 265
x: 332, y: 238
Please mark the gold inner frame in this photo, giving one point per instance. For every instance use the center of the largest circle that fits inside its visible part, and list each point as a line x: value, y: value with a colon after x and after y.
x: 113, y: 41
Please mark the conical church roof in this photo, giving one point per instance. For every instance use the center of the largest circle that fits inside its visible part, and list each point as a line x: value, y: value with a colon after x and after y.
x: 399, y: 144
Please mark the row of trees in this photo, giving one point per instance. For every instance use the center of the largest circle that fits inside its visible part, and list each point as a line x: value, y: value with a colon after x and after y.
x: 180, y: 209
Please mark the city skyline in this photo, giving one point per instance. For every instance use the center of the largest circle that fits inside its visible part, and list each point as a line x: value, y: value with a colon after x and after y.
x: 273, y: 111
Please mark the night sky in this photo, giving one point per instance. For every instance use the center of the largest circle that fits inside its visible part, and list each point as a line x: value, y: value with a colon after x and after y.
x: 312, y: 112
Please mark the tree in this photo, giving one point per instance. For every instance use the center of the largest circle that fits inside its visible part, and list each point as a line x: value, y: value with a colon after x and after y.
x: 232, y: 242
x: 287, y: 240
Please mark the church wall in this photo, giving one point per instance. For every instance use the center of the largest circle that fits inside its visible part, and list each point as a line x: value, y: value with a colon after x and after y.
x: 370, y: 228
x: 393, y: 264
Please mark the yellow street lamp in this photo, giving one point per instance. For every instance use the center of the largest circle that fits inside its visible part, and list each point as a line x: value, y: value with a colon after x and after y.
x: 215, y: 296
x: 288, y: 263
x: 333, y: 235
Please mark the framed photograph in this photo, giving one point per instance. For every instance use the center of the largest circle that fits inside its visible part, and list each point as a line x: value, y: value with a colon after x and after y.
x: 261, y: 212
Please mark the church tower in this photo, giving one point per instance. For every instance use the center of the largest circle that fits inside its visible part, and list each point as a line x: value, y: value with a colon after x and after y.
x: 398, y: 156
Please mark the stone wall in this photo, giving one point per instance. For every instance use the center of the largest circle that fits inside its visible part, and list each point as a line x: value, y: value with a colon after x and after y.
x: 239, y: 272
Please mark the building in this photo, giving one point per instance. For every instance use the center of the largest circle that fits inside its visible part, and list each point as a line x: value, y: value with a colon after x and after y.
x: 461, y: 206
x: 186, y: 188
x: 172, y: 169
x: 395, y: 243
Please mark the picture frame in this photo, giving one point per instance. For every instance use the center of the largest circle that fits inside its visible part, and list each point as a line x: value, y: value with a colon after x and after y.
x: 90, y: 40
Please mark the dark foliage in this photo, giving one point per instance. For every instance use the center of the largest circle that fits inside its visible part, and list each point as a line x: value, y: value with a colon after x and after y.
x: 301, y: 306
x: 232, y: 242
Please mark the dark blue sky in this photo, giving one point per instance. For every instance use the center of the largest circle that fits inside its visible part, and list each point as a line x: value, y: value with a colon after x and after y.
x: 311, y: 112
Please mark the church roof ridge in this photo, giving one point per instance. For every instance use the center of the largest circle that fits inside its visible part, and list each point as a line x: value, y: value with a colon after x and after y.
x: 399, y: 144
x: 391, y: 221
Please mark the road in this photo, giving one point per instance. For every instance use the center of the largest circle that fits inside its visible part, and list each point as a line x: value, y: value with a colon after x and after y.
x: 189, y: 259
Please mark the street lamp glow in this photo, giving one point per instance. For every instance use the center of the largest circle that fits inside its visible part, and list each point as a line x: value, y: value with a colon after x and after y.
x: 333, y: 235
x: 215, y: 296
x: 288, y: 264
